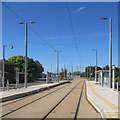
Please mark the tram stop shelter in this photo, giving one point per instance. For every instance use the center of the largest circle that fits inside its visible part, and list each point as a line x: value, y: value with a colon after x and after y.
x: 103, y: 77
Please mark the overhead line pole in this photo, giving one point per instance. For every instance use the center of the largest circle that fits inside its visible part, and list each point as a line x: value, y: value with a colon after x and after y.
x: 26, y: 25
x: 110, y: 62
x: 110, y: 52
x: 87, y: 72
x: 58, y: 62
x: 96, y: 68
x: 3, y: 77
x: 25, y: 55
x: 80, y: 70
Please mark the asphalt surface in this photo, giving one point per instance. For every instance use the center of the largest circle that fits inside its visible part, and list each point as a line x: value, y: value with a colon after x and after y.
x: 60, y: 102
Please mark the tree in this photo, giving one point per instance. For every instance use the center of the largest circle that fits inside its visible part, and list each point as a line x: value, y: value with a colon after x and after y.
x: 19, y: 60
x: 38, y: 69
x: 34, y: 68
x: 106, y: 67
x: 76, y: 73
x: 92, y: 70
x: 117, y: 72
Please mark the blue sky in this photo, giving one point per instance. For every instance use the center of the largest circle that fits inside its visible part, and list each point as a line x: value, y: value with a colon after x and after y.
x: 53, y: 24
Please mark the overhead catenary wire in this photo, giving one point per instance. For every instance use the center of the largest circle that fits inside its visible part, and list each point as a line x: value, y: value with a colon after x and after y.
x: 68, y: 44
x: 50, y: 46
x: 45, y: 42
x: 71, y: 24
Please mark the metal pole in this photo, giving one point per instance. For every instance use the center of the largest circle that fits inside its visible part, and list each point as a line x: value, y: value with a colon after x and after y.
x: 113, y: 69
x: 58, y: 65
x: 87, y: 72
x: 105, y: 67
x: 110, y: 57
x: 64, y: 71
x: 102, y: 79
x: 26, y: 56
x: 72, y: 71
x: 57, y: 62
x: 77, y: 71
x: 80, y: 70
x: 90, y: 72
x: 3, y: 77
x: 96, y: 68
x: 17, y: 77
x: 47, y: 77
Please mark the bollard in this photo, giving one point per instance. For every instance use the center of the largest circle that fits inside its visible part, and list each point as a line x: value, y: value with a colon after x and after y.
x: 113, y: 79
x: 117, y: 85
x: 7, y: 84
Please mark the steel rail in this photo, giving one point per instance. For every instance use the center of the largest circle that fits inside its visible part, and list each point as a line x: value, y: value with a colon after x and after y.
x: 60, y: 101
x: 31, y: 101
x: 76, y: 113
x: 32, y: 95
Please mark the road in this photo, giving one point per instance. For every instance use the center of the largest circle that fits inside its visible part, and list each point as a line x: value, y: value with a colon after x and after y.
x: 65, y: 101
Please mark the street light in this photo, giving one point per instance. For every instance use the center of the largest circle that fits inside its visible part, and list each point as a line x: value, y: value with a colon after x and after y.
x: 96, y: 65
x: 3, y: 77
x: 110, y: 52
x: 26, y: 24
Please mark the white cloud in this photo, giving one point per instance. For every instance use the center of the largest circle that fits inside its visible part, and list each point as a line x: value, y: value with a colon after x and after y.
x: 81, y: 8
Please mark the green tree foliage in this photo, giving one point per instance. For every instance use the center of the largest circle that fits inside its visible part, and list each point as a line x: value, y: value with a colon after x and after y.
x: 76, y: 73
x: 92, y: 70
x: 117, y: 72
x: 19, y: 60
x: 34, y: 68
x: 38, y: 69
x: 106, y: 67
x: 83, y: 74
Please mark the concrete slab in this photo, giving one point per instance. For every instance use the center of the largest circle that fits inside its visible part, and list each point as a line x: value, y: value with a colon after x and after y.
x: 104, y: 99
x: 14, y: 94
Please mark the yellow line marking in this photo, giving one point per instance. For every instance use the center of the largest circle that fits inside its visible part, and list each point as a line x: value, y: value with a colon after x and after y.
x: 103, y: 99
x: 111, y: 114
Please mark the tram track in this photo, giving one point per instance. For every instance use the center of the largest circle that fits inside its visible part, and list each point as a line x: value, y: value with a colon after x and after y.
x: 33, y: 101
x: 57, y: 105
x: 30, y: 96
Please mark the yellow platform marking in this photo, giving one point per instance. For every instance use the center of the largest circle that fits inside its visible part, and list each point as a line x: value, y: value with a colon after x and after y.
x: 111, y: 114
x: 103, y: 99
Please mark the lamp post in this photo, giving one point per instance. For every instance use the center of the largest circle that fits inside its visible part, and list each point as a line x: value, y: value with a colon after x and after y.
x: 3, y: 77
x: 95, y: 66
x: 26, y: 24
x: 110, y: 52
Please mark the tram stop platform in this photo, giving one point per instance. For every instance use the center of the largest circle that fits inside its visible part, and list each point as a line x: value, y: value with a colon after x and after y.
x: 104, y: 99
x: 22, y: 92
